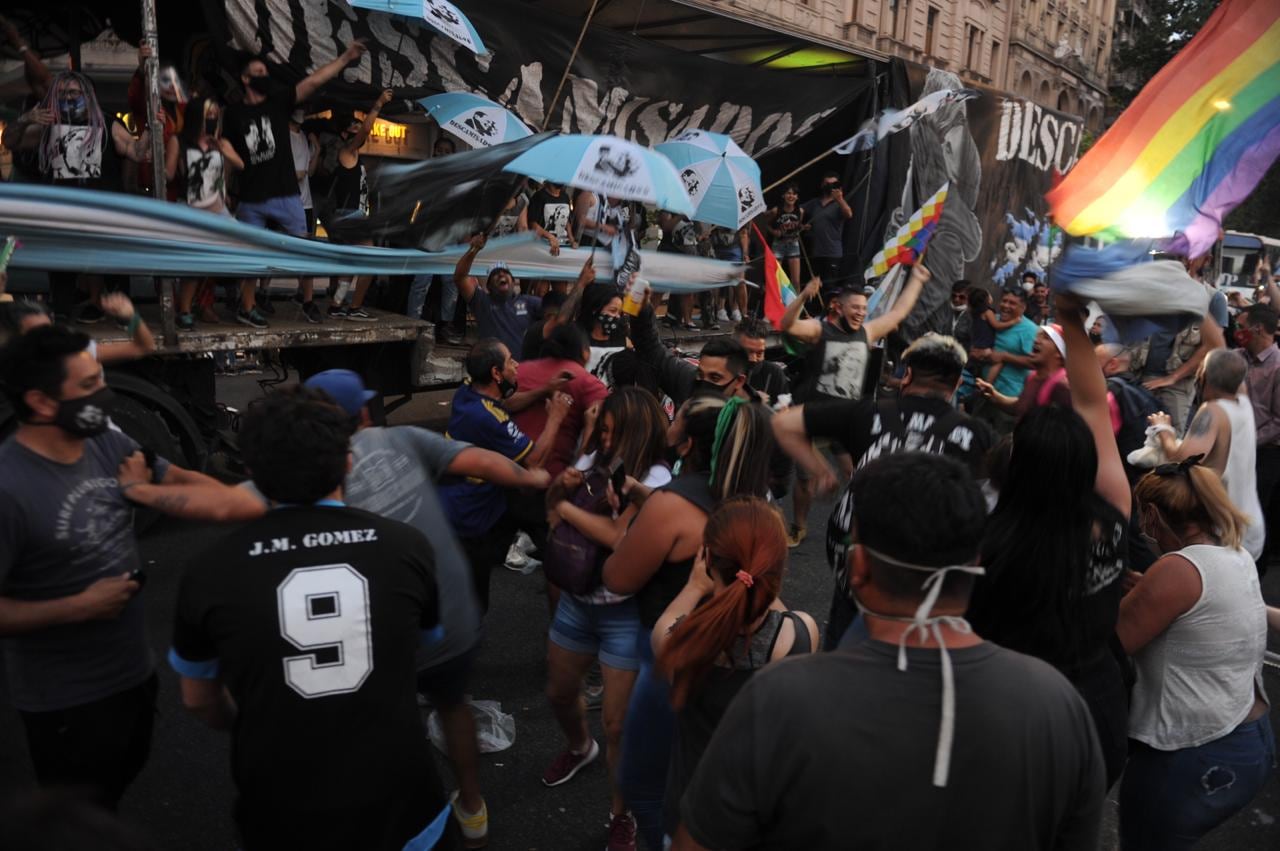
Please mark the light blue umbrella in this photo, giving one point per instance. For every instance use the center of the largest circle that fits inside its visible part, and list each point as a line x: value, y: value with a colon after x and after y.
x: 608, y: 165
x: 722, y: 181
x: 478, y: 121
x: 441, y: 15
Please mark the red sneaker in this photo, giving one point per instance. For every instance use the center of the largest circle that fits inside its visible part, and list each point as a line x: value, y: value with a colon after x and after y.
x: 622, y: 833
x: 568, y: 764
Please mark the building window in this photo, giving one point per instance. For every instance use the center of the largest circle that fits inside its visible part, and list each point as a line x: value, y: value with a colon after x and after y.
x: 930, y: 26
x: 995, y: 60
x: 892, y: 9
x: 973, y: 53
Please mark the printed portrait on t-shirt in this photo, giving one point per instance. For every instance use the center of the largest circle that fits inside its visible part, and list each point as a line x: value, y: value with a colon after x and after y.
x: 204, y: 177
x: 556, y: 217
x: 77, y: 152
x: 844, y: 364
x: 260, y: 140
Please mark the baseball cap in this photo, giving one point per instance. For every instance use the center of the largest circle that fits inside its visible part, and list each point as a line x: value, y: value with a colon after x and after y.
x: 344, y: 387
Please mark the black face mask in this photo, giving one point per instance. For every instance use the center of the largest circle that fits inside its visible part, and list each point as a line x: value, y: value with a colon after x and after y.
x: 211, y: 126
x: 76, y: 111
x: 702, y: 387
x: 261, y: 85
x: 506, y: 388
x: 610, y: 325
x: 86, y: 416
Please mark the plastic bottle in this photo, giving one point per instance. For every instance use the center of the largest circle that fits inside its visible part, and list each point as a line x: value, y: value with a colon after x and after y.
x: 634, y: 299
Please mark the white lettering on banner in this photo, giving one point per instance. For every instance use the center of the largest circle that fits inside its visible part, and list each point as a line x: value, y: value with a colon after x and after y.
x: 1035, y: 136
x: 399, y: 57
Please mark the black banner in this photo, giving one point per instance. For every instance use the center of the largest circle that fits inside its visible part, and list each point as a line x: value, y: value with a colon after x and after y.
x: 620, y: 84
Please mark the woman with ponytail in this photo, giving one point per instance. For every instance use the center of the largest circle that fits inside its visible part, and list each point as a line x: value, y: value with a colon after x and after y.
x: 726, y: 624
x: 1201, y: 744
x: 724, y: 448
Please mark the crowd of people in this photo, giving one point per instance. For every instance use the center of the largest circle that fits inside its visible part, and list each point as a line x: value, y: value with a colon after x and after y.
x: 1045, y: 546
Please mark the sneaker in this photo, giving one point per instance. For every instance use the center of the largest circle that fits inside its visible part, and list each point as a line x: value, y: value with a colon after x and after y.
x: 186, y: 321
x: 475, y: 826
x: 736, y: 316
x: 453, y: 338
x: 337, y: 311
x: 311, y: 313
x: 264, y: 303
x: 252, y: 318
x: 525, y: 544
x: 358, y: 314
x: 568, y: 764
x: 796, y: 535
x: 89, y: 314
x: 691, y: 326
x: 710, y: 324
x: 672, y: 320
x: 517, y: 559
x: 722, y: 315
x: 622, y: 833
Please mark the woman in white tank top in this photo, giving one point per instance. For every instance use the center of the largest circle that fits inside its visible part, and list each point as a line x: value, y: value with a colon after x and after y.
x: 1201, y: 744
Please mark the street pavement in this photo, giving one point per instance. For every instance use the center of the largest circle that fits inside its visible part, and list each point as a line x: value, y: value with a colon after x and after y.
x: 184, y: 796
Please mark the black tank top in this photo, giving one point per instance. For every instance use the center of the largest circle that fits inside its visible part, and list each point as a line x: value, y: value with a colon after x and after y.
x: 653, y: 599
x: 350, y: 188
x: 710, y: 700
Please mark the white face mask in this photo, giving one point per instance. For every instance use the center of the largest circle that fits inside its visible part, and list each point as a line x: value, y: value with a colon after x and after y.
x: 923, y: 623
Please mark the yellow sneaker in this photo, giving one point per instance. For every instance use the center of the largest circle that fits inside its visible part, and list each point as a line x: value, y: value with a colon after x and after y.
x: 796, y: 535
x: 475, y: 826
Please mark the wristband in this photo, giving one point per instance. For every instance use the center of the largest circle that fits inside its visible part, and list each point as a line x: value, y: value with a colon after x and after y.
x: 132, y: 327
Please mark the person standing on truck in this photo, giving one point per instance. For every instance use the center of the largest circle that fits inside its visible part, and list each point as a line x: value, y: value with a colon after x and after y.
x: 349, y: 193
x: 258, y: 127
x: 80, y: 669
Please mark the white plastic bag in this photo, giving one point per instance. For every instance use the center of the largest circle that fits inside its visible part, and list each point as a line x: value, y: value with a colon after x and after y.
x: 495, y: 729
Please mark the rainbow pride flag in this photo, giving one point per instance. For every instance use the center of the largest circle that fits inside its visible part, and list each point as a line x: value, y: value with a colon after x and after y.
x: 1192, y: 145
x: 778, y: 291
x: 909, y: 242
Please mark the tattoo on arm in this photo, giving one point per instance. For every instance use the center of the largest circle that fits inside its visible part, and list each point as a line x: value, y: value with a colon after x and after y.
x: 169, y: 503
x: 1201, y: 424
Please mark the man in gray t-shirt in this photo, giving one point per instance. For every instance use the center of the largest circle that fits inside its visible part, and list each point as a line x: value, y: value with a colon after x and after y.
x: 393, y: 473
x: 79, y: 665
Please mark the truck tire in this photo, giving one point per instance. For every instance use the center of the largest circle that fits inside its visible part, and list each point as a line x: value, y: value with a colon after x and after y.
x: 161, y: 423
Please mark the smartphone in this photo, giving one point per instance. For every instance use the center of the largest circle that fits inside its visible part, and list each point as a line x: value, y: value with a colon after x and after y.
x: 618, y: 476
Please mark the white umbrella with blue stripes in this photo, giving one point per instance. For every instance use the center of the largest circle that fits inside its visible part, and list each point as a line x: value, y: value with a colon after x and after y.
x: 609, y: 165
x: 722, y: 181
x: 478, y: 121
x: 441, y: 15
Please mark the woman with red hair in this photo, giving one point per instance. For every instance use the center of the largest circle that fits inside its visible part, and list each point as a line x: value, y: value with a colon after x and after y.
x: 726, y: 624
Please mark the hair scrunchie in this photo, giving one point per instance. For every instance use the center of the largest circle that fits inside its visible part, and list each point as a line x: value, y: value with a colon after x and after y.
x: 746, y: 578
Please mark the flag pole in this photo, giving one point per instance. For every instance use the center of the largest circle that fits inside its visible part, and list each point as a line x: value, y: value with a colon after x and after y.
x: 551, y: 108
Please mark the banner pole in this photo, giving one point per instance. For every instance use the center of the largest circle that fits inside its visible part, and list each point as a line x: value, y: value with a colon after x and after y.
x: 551, y: 108
x: 781, y: 180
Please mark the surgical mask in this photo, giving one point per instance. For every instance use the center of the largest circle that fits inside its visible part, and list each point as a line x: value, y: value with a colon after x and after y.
x: 925, y: 624
x: 609, y: 324
x: 86, y: 416
x: 261, y: 85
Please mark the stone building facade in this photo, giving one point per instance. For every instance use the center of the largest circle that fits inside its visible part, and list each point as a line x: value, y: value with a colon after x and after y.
x: 1057, y: 53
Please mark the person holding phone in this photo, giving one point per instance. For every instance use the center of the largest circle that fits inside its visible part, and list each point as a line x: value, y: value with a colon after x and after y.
x: 586, y: 511
x: 826, y: 216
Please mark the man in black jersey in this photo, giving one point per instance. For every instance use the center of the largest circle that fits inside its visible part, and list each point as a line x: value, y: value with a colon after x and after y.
x: 919, y: 419
x: 298, y: 631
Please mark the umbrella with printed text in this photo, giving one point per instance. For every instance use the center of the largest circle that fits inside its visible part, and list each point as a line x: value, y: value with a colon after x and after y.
x: 477, y: 121
x: 722, y: 181
x: 441, y: 15
x: 609, y: 165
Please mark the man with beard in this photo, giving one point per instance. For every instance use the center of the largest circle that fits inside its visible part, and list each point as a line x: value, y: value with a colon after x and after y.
x: 477, y: 510
x: 835, y: 365
x: 499, y: 313
x: 79, y: 665
x: 258, y: 127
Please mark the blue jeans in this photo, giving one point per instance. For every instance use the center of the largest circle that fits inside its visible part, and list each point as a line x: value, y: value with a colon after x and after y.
x: 646, y: 745
x: 418, y: 297
x: 1169, y: 799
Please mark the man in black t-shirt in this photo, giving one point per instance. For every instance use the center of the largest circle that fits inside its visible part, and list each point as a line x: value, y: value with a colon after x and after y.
x: 835, y: 365
x: 924, y: 736
x: 551, y: 215
x: 298, y: 631
x: 920, y: 419
x: 258, y: 127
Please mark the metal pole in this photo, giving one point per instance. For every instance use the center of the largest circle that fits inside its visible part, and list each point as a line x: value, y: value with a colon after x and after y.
x: 155, y: 123
x: 555, y: 98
